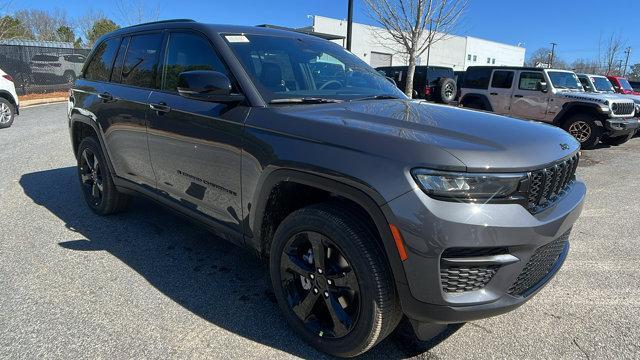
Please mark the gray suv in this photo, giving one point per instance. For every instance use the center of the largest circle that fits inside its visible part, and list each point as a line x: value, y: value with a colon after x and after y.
x: 378, y: 214
x: 553, y: 96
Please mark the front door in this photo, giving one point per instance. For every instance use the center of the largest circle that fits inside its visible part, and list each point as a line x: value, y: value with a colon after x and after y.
x: 528, y: 101
x: 195, y: 145
x: 500, y: 90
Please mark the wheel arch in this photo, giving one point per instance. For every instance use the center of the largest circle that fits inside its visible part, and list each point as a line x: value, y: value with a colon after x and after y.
x: 8, y: 96
x: 574, y: 108
x: 367, y: 199
x: 80, y: 127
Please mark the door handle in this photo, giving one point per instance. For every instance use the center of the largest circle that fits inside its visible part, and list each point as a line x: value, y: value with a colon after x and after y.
x: 160, y: 108
x: 518, y: 96
x: 494, y: 93
x: 105, y: 96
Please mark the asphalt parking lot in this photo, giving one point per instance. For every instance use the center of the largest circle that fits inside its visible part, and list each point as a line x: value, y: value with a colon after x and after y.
x: 148, y: 284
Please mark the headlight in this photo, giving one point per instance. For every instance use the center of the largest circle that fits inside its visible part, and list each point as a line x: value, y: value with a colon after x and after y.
x: 467, y: 185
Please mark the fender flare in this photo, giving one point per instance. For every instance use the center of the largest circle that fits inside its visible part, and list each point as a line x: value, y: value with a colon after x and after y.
x: 558, y: 119
x: 7, y: 95
x: 76, y: 117
x: 362, y: 195
x: 483, y: 98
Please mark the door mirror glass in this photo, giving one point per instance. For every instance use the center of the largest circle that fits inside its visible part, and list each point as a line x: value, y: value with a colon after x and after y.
x: 206, y: 85
x: 541, y: 86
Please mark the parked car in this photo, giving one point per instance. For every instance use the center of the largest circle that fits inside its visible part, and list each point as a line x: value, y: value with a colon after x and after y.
x: 600, y: 84
x: 622, y: 85
x: 64, y: 67
x: 9, y: 102
x: 434, y: 83
x: 377, y: 213
x: 553, y: 96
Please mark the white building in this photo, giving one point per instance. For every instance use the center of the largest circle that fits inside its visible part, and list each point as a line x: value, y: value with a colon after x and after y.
x: 454, y: 51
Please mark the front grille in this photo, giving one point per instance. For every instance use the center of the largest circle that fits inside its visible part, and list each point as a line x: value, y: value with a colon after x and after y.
x: 458, y: 278
x: 539, y: 265
x: 623, y: 108
x: 546, y: 185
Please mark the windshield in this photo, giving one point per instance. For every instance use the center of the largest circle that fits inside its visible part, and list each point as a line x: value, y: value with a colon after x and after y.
x: 289, y: 68
x: 565, y: 80
x: 602, y: 84
x: 625, y: 84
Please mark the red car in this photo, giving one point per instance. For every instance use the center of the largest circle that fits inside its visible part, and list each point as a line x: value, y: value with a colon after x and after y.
x: 622, y: 85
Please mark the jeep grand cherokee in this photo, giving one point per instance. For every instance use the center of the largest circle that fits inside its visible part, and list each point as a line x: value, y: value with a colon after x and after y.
x: 377, y: 213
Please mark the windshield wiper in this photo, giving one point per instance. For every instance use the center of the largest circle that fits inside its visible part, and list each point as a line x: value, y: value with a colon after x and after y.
x: 377, y: 97
x: 304, y: 100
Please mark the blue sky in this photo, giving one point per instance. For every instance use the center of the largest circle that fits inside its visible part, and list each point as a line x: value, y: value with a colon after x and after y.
x: 575, y: 25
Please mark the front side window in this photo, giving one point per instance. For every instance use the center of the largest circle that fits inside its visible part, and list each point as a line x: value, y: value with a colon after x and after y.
x: 502, y: 79
x: 530, y: 80
x: 304, y: 67
x: 141, y: 61
x: 565, y: 80
x: 585, y: 83
x: 624, y: 83
x: 99, y: 68
x: 187, y: 52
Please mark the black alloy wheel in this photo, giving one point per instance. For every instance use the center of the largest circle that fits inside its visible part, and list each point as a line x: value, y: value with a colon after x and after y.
x: 320, y: 285
x: 91, y: 176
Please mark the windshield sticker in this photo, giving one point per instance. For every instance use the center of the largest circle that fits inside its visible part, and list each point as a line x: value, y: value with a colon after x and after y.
x: 237, y: 39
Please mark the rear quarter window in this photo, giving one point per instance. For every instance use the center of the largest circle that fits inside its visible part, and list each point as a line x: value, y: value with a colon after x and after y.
x: 99, y: 67
x: 477, y: 78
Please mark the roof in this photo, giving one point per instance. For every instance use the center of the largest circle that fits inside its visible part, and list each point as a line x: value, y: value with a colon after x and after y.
x: 305, y: 30
x: 532, y: 68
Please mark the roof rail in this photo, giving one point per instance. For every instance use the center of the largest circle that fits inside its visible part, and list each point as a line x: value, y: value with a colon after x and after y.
x: 160, y: 22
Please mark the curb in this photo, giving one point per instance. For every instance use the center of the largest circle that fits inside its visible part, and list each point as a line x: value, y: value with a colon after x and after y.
x: 27, y: 103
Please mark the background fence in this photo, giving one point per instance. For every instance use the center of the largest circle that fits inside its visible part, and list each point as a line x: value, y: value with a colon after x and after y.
x: 42, y: 69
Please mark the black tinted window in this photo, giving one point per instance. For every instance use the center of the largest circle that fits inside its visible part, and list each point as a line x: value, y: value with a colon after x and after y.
x: 116, y: 76
x: 99, y: 68
x: 187, y: 52
x: 435, y: 74
x: 502, y: 79
x: 477, y: 78
x: 141, y: 61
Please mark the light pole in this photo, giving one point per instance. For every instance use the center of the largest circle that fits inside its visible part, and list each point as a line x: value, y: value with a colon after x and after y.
x: 349, y: 24
x: 627, y: 51
x: 553, y: 51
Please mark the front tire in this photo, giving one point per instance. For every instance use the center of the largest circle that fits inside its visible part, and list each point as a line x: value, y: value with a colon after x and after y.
x: 95, y: 179
x: 584, y: 129
x: 331, y: 280
x: 7, y: 113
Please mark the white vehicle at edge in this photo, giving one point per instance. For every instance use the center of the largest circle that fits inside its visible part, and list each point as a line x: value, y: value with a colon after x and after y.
x: 63, y: 66
x: 9, y: 102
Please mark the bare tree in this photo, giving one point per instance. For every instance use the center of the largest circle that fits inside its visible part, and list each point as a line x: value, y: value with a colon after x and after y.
x: 133, y: 12
x: 588, y: 66
x: 542, y: 58
x: 415, y: 25
x: 42, y: 24
x: 613, y: 49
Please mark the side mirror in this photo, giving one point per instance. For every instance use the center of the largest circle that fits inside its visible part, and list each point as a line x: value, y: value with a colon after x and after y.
x: 541, y: 86
x: 206, y: 85
x: 414, y: 94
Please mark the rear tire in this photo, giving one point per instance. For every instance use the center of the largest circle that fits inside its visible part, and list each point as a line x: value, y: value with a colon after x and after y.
x: 618, y: 140
x: 371, y: 312
x: 584, y: 129
x: 446, y: 90
x: 96, y: 182
x: 7, y: 113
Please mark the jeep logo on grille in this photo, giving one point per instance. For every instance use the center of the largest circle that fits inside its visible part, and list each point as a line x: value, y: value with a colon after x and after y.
x: 564, y: 146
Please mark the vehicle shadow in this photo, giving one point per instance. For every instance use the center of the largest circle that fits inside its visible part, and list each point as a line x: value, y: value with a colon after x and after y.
x: 217, y: 281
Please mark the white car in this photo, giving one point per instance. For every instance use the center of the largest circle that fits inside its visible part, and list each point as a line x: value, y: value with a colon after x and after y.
x: 9, y: 103
x: 65, y: 66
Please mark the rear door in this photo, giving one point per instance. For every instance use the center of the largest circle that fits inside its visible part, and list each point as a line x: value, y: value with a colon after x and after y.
x: 500, y: 90
x: 195, y: 145
x: 528, y: 102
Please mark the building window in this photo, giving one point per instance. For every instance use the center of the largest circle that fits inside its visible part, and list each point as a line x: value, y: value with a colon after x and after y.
x: 488, y: 60
x: 493, y: 61
x: 474, y: 58
x: 469, y: 57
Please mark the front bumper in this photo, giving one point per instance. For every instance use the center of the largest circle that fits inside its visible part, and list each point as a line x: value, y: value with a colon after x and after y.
x: 429, y: 227
x: 617, y: 127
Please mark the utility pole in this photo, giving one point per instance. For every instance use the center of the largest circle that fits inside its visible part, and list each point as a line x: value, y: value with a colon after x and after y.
x: 620, y: 65
x: 627, y: 51
x: 553, y: 52
x: 349, y: 24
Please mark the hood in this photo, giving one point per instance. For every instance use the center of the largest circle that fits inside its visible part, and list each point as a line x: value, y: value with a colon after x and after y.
x: 481, y: 141
x: 599, y: 98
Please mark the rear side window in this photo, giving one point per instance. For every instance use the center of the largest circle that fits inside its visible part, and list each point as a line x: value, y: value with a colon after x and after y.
x: 187, y: 52
x: 99, y: 67
x: 477, y: 78
x: 502, y: 79
x: 530, y: 80
x: 44, y: 57
x: 141, y: 62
